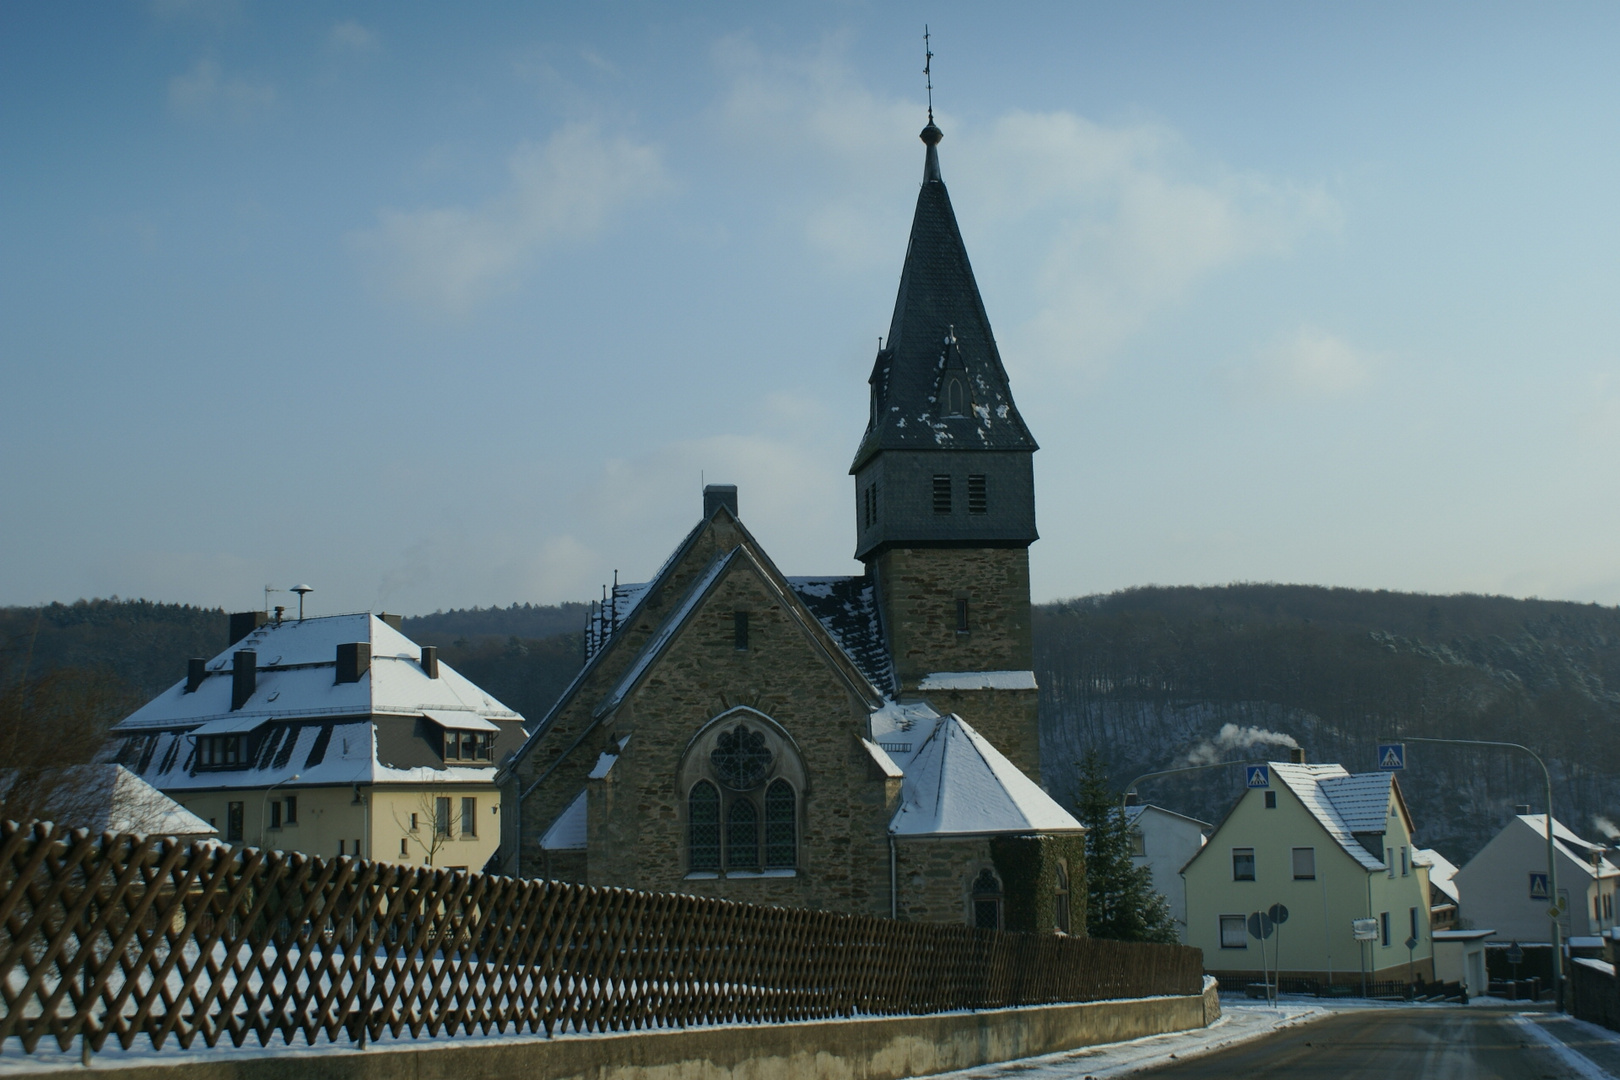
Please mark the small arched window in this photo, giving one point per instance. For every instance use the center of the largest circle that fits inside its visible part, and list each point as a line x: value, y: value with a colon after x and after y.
x: 1060, y: 906
x: 781, y: 832
x: 703, y: 822
x: 742, y: 836
x: 955, y: 398
x: 987, y: 901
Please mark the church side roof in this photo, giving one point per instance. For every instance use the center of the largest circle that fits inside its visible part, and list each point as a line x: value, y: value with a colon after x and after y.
x: 939, y: 321
x: 957, y: 784
x: 848, y: 608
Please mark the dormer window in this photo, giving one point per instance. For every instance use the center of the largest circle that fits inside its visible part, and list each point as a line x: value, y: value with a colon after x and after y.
x: 468, y: 746
x: 955, y: 398
x: 222, y: 752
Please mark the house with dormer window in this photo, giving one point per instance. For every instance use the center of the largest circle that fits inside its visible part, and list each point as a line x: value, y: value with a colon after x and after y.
x: 335, y: 735
x: 1335, y: 848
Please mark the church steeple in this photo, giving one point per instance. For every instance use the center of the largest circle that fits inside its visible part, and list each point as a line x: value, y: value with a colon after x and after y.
x: 938, y: 384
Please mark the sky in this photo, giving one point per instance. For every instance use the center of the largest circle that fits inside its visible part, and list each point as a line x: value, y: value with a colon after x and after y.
x: 433, y: 307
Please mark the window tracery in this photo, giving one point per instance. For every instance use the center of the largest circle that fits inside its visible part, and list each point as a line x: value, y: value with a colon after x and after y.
x: 744, y: 782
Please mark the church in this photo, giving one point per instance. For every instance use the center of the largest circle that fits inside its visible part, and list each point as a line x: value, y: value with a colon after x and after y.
x: 855, y: 744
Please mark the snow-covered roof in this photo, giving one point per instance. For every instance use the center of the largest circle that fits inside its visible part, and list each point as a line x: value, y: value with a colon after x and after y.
x: 1306, y: 782
x: 1441, y: 871
x: 847, y: 608
x: 1136, y: 811
x: 957, y: 784
x: 296, y: 663
x: 881, y: 758
x: 1575, y: 848
x: 655, y: 647
x: 978, y: 680
x: 568, y: 832
x: 1362, y: 799
x: 899, y: 728
x: 109, y: 798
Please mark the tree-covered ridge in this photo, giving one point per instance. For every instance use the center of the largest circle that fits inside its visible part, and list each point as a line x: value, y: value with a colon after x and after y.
x: 518, y: 620
x: 1145, y: 674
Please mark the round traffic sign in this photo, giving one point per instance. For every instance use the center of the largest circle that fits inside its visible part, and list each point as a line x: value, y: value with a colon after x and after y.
x: 1278, y: 913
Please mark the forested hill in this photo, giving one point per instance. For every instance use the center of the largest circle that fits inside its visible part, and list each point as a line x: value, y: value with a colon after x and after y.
x: 1147, y: 675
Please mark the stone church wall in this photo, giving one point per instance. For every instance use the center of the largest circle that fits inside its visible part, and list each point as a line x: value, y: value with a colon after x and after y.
x: 845, y: 807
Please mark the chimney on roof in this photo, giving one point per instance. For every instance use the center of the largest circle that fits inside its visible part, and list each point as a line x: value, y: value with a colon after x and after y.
x: 353, y: 660
x: 430, y: 661
x: 1296, y: 754
x: 280, y: 611
x: 396, y: 621
x: 718, y: 495
x: 1132, y: 799
x: 1522, y: 808
x: 244, y: 623
x: 244, y: 677
x: 196, y: 672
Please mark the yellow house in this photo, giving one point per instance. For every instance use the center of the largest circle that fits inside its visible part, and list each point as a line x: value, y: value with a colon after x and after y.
x: 1332, y: 847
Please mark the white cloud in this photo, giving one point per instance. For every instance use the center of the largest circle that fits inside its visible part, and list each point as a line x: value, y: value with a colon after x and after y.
x: 205, y: 90
x: 1310, y: 363
x: 350, y: 35
x: 1094, y: 227
x: 567, y: 188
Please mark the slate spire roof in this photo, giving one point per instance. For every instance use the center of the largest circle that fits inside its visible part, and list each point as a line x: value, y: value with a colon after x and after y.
x: 939, y: 324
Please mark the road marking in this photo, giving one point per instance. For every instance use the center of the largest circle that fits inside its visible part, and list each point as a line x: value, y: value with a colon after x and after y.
x: 1571, y: 1057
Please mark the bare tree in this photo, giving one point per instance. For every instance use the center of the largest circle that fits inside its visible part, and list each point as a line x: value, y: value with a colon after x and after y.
x: 429, y: 826
x: 49, y: 723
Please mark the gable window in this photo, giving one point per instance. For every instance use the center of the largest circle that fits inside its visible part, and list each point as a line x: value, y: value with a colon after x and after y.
x: 1389, y: 863
x: 781, y: 830
x: 1138, y: 844
x: 739, y: 630
x: 978, y: 498
x: 1304, y: 864
x: 961, y: 616
x: 1234, y: 932
x: 1406, y: 866
x: 1243, y: 864
x: 703, y: 827
x: 955, y: 398
x: 743, y: 783
x: 1060, y: 904
x: 942, y: 493
x: 1271, y: 800
x: 987, y: 901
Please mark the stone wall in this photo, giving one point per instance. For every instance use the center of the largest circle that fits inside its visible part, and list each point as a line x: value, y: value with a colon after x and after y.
x: 878, y: 1048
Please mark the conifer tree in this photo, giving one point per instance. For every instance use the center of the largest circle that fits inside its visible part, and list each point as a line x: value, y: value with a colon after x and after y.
x: 1120, y: 902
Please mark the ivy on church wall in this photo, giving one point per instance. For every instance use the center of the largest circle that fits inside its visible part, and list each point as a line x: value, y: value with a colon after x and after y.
x: 1027, y: 866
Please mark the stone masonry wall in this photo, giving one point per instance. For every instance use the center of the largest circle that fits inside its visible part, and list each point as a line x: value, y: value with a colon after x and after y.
x: 1010, y: 719
x: 920, y: 587
x: 936, y: 876
x: 638, y: 814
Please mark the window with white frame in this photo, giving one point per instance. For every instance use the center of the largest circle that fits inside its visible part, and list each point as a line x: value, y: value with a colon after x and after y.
x: 1243, y: 864
x: 1304, y: 864
x: 1234, y: 932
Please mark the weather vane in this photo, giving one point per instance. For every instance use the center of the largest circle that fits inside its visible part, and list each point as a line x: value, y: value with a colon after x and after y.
x: 928, y: 65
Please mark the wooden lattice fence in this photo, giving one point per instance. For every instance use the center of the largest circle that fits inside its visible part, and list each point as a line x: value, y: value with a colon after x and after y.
x: 122, y: 936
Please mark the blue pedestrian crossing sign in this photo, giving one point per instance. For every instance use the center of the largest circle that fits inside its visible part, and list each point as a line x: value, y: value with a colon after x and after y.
x: 1538, y: 886
x: 1259, y: 775
x: 1391, y: 756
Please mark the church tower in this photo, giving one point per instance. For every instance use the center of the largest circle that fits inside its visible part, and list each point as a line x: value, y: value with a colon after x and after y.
x: 945, y: 492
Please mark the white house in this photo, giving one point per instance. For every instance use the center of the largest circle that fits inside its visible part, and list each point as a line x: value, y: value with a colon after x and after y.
x: 1504, y: 886
x: 331, y: 736
x: 1333, y: 848
x: 1165, y: 841
x: 1445, y: 902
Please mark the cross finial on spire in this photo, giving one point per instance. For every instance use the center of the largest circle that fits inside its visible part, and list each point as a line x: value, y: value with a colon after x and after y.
x: 928, y: 71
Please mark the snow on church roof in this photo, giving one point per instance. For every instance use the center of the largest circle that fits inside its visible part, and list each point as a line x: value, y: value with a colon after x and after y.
x: 957, y: 784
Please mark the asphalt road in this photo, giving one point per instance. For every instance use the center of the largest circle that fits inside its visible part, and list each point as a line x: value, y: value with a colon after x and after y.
x: 1431, y: 1044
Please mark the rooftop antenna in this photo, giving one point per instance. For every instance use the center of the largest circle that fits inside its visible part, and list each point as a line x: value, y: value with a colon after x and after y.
x: 268, y: 589
x: 928, y: 72
x: 302, y: 591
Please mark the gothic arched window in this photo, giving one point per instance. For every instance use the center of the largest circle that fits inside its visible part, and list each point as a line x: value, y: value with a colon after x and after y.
x: 955, y: 398
x: 987, y: 901
x: 1060, y: 906
x: 742, y: 836
x: 703, y: 826
x: 745, y: 779
x: 781, y: 831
